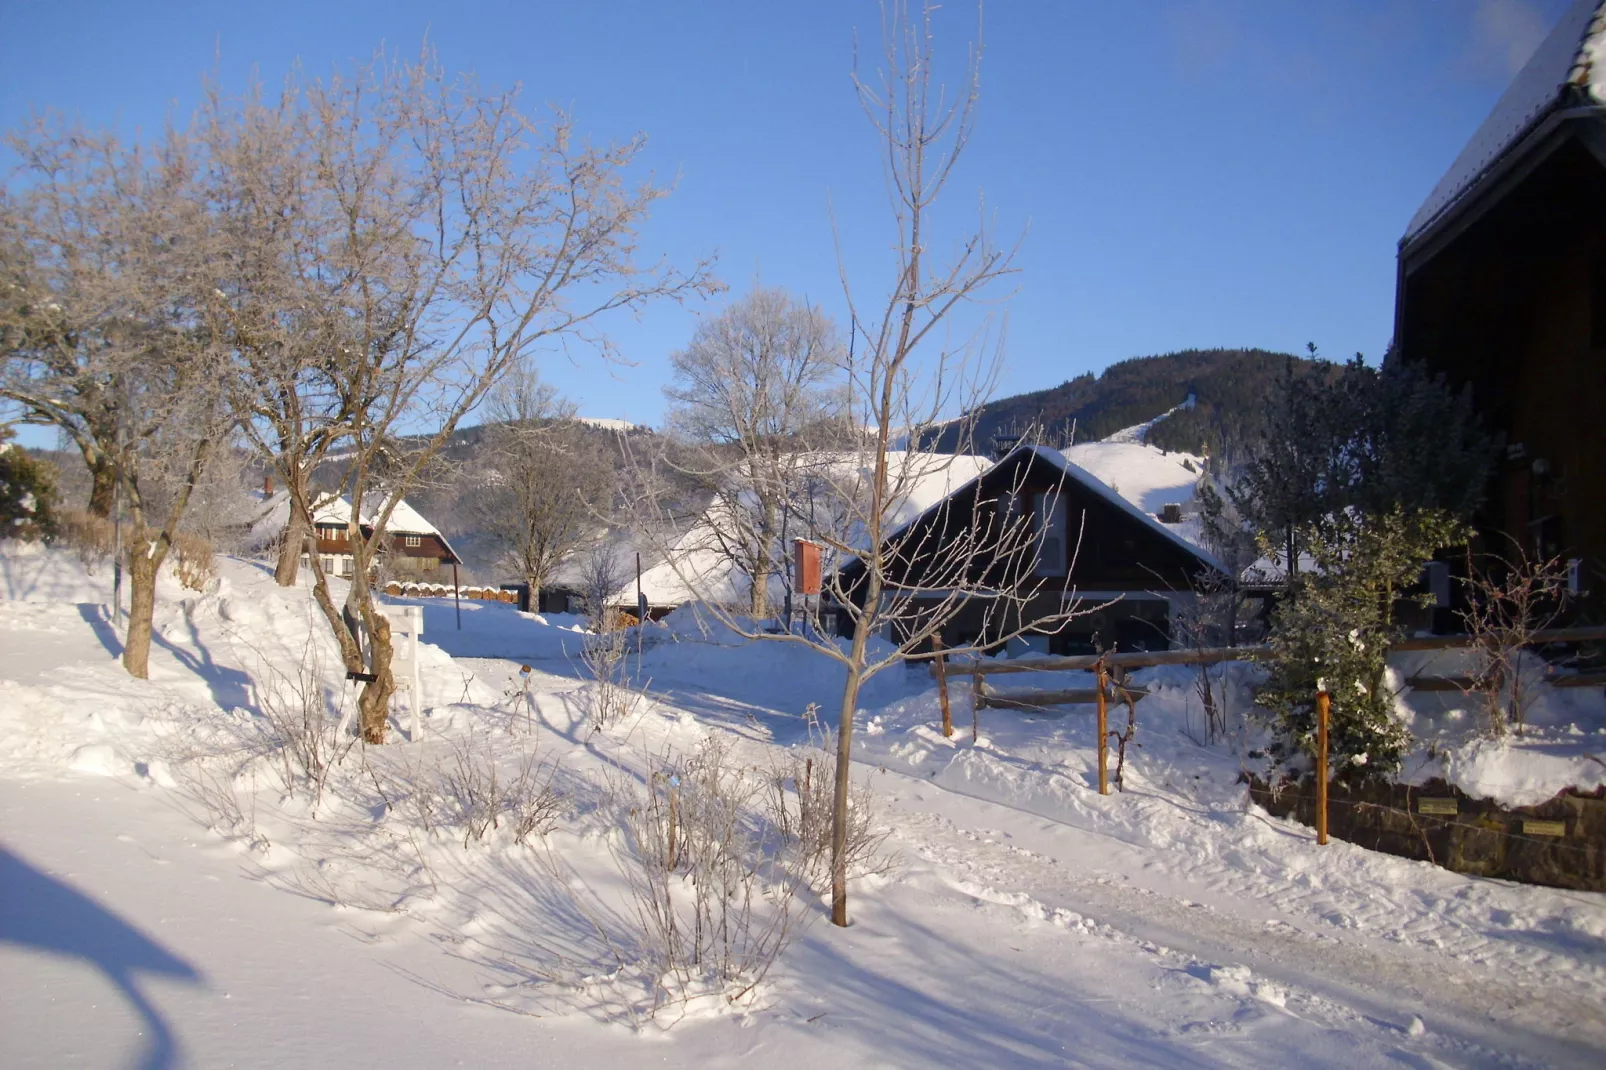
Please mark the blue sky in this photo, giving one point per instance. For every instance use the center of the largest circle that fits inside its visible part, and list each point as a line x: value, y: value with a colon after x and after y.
x: 1188, y: 173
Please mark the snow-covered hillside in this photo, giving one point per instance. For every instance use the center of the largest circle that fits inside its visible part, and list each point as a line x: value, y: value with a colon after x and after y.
x: 171, y: 899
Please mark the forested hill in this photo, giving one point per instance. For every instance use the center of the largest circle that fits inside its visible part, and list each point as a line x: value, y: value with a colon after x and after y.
x: 1231, y: 388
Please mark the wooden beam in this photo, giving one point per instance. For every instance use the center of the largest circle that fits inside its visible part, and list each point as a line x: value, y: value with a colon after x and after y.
x: 1085, y: 662
x: 1032, y: 700
x: 1578, y: 679
x: 1211, y: 655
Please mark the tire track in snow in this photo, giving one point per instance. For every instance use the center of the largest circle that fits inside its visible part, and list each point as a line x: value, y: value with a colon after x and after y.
x: 1471, y: 1006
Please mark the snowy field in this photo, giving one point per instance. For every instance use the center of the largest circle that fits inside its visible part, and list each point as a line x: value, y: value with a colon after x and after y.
x: 171, y: 894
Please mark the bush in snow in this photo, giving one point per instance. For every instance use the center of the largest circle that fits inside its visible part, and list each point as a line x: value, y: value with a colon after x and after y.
x: 1335, y: 628
x: 803, y: 786
x: 712, y: 876
x: 197, y: 561
x: 1507, y: 601
x: 303, y: 721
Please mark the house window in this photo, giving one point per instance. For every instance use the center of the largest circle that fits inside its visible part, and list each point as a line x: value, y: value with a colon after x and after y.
x: 429, y: 564
x: 328, y: 563
x: 1048, y: 521
x: 413, y: 540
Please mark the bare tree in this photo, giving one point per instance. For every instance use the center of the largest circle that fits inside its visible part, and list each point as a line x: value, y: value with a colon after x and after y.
x: 285, y: 316
x: 455, y: 235
x: 904, y: 380
x: 548, y: 486
x: 757, y: 391
x: 111, y: 327
x: 1507, y: 602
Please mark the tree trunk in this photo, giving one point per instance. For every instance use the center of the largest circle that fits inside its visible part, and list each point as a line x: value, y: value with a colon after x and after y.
x: 142, y: 569
x: 534, y: 584
x: 374, y: 703
x: 350, y: 652
x: 291, y: 546
x: 844, y: 760
x: 759, y: 602
x: 102, y: 488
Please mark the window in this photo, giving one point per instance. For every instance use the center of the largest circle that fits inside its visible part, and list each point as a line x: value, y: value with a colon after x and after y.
x: 328, y: 563
x: 413, y: 540
x: 429, y: 564
x: 1048, y: 521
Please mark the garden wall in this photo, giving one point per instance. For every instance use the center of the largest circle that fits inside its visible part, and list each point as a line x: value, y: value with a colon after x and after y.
x: 1561, y: 842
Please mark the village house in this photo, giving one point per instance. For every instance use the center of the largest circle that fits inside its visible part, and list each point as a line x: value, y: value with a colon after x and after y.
x: 1091, y: 544
x: 1501, y: 288
x: 416, y: 549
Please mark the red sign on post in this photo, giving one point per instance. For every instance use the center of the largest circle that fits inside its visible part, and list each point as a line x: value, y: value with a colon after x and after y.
x: 806, y: 567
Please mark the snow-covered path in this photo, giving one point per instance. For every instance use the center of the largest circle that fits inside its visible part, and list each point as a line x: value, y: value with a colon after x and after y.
x: 1338, y: 979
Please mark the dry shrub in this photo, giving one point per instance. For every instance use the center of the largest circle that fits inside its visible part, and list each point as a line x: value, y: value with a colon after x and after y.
x: 1507, y: 602
x: 87, y: 535
x: 610, y: 698
x: 469, y: 792
x: 804, y: 792
x: 196, y: 564
x: 713, y: 878
x: 303, y: 720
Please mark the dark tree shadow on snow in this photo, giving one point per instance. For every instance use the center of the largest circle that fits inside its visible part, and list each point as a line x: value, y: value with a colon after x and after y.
x: 94, y: 615
x: 40, y: 912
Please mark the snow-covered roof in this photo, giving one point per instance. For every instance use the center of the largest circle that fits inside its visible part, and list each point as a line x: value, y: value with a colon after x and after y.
x: 1143, y: 475
x: 336, y: 509
x: 699, y: 571
x: 1116, y: 498
x: 404, y: 520
x: 1572, y: 58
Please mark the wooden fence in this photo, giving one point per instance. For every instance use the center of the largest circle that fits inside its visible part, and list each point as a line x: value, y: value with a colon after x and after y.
x: 1110, y: 672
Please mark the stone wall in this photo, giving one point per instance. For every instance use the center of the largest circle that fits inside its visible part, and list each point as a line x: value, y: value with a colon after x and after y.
x: 1480, y: 838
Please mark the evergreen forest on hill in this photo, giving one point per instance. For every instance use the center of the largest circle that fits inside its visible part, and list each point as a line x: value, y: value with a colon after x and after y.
x: 1231, y: 389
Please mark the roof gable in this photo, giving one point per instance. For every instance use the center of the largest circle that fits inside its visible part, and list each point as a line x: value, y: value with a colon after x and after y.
x: 1007, y: 474
x: 1571, y: 61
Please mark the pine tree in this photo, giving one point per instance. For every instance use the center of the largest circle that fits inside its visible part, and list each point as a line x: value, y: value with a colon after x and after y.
x: 27, y: 493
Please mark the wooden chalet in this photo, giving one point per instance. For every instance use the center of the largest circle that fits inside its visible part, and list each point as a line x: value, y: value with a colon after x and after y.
x: 1502, y: 288
x: 1093, y: 545
x: 416, y: 549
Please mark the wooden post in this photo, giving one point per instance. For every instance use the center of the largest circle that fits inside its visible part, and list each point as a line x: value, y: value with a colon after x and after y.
x: 1104, y: 729
x: 457, y: 602
x: 1322, y: 702
x: 942, y: 686
x: 978, y: 688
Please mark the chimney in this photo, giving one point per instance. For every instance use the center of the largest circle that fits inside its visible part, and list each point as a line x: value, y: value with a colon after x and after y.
x: 267, y: 485
x: 1171, y: 513
x: 1003, y: 443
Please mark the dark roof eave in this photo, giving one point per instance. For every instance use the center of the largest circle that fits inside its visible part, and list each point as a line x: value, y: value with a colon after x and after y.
x: 1471, y: 202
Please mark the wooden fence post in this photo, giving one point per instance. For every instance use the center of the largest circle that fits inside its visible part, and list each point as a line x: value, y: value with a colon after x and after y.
x: 978, y: 688
x: 942, y: 686
x: 1322, y: 703
x: 1104, y: 728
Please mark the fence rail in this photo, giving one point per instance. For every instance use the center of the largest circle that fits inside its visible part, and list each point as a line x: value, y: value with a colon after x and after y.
x: 1110, y: 670
x: 1141, y: 659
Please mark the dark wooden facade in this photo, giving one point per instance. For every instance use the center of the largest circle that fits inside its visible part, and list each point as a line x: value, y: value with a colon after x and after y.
x: 1110, y: 551
x: 409, y: 553
x: 1503, y: 291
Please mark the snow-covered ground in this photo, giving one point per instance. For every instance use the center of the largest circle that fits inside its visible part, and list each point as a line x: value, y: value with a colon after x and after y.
x: 165, y: 901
